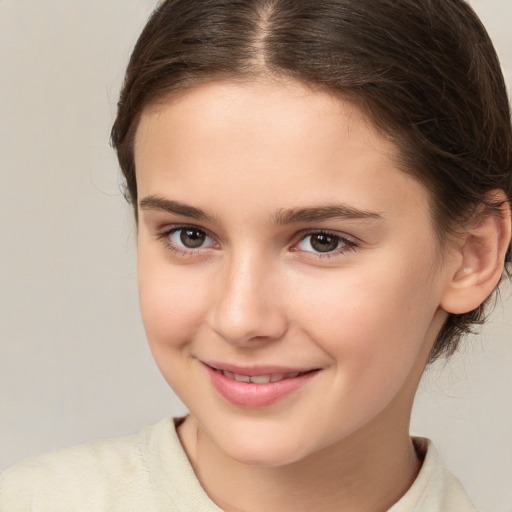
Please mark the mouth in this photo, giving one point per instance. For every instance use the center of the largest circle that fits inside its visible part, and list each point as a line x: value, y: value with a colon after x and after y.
x: 257, y: 386
x: 260, y: 379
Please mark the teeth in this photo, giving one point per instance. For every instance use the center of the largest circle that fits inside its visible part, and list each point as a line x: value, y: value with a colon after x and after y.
x: 260, y: 379
x: 242, y: 378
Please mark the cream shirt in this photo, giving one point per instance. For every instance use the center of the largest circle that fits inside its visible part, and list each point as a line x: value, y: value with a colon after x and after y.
x: 150, y: 472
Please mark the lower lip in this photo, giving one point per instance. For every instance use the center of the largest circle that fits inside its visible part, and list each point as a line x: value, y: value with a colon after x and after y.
x: 250, y: 394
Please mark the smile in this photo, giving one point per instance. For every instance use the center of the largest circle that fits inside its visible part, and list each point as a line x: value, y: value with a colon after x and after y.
x: 257, y: 387
x: 259, y: 379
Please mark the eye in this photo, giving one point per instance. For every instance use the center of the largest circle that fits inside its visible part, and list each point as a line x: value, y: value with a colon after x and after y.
x: 324, y: 242
x: 186, y: 238
x: 191, y: 238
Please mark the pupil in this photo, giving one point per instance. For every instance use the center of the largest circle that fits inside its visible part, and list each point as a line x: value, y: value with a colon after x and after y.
x: 192, y: 238
x: 324, y: 243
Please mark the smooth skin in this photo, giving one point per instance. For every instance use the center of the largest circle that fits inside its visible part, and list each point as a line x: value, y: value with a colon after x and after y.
x: 275, y: 229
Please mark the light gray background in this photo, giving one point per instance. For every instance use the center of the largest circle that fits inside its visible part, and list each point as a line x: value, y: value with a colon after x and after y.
x: 74, y: 364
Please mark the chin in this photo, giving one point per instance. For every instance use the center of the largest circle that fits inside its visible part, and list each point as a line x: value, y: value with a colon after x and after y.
x: 262, y: 445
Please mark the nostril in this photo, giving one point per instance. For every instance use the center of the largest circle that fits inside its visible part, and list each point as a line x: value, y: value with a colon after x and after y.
x: 248, y: 327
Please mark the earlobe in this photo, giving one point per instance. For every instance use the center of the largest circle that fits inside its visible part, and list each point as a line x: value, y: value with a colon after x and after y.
x: 479, y: 262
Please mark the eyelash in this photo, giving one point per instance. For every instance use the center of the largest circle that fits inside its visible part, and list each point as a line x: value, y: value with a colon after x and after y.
x: 349, y: 244
x: 165, y: 236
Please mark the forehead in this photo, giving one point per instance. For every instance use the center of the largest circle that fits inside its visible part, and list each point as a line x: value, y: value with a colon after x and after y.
x: 280, y: 141
x: 282, y: 106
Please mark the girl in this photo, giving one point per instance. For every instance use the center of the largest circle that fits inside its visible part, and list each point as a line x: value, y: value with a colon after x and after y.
x: 322, y: 196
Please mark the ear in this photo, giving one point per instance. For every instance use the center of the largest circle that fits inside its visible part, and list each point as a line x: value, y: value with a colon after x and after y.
x: 479, y: 259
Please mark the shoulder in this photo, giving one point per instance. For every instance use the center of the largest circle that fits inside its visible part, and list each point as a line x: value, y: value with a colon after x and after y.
x: 446, y: 488
x: 435, y: 488
x: 95, y: 473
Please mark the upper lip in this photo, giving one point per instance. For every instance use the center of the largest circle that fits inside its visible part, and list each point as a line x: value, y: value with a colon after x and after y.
x: 253, y: 371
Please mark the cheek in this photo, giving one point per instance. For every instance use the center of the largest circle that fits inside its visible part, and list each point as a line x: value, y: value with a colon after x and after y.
x: 372, y: 324
x: 172, y: 302
x: 375, y: 336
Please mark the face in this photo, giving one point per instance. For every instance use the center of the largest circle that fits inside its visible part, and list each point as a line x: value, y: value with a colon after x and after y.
x: 289, y: 275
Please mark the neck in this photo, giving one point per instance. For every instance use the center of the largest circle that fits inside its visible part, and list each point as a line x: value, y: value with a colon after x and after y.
x: 366, y: 472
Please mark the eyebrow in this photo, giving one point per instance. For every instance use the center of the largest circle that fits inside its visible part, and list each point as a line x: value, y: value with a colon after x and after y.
x: 159, y: 203
x: 316, y: 214
x: 282, y: 217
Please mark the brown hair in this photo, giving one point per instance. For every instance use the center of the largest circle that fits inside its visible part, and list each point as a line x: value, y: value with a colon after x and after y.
x: 425, y: 71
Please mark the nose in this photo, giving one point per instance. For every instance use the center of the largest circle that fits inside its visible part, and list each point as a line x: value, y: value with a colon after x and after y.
x: 247, y: 306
